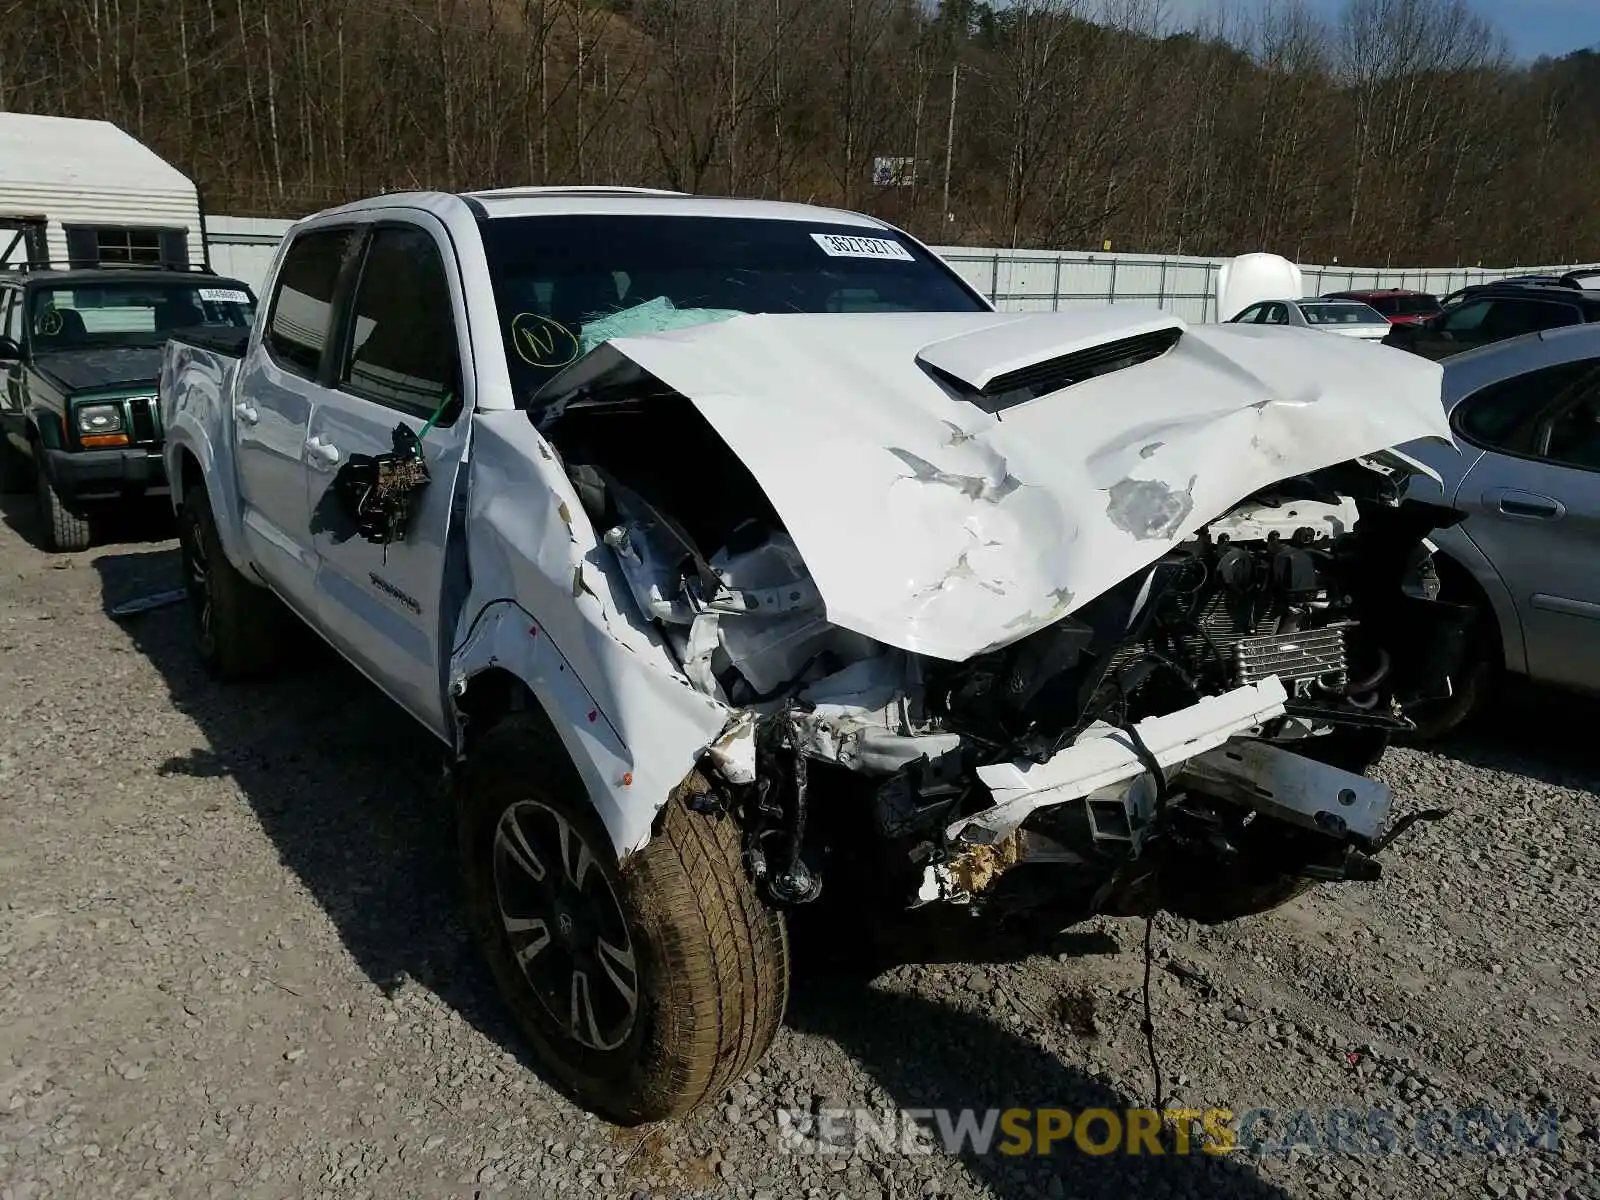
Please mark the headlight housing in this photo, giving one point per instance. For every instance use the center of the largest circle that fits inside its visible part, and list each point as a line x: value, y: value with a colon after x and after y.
x: 98, y: 420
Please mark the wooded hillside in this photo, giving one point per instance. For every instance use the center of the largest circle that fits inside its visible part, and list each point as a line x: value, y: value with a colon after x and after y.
x: 1401, y: 133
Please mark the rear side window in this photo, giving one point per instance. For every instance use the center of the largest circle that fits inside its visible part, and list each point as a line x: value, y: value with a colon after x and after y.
x: 302, y: 301
x: 1389, y: 306
x: 1505, y: 416
x: 403, y: 349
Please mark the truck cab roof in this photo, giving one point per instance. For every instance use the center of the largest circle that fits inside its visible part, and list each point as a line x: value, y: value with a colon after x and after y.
x: 104, y: 276
x: 620, y: 201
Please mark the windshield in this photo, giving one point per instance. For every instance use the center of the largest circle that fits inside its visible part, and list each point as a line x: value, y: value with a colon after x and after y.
x: 564, y: 284
x: 1342, y: 314
x: 132, y: 314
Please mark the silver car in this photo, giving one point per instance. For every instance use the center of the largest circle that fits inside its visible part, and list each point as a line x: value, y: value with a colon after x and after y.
x: 1525, y: 470
x: 1348, y: 318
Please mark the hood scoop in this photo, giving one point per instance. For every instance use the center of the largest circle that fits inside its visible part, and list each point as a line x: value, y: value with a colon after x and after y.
x: 1009, y: 364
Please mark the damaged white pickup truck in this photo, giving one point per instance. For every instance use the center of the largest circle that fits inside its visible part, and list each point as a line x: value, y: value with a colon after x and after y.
x: 741, y: 555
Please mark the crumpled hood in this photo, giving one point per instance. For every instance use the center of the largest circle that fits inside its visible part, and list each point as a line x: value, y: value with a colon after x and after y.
x: 934, y: 526
x: 100, y: 367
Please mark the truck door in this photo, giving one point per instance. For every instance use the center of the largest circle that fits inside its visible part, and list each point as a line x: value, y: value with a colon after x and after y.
x: 404, y: 367
x: 277, y: 389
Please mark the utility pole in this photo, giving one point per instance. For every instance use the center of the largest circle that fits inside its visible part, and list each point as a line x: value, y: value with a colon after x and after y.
x: 950, y: 140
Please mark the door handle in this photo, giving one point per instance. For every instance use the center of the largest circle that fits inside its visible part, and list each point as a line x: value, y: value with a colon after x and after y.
x: 246, y: 413
x: 1526, y: 504
x: 322, y: 451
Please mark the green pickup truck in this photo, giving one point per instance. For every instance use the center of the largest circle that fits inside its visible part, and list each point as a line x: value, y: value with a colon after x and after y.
x: 80, y: 354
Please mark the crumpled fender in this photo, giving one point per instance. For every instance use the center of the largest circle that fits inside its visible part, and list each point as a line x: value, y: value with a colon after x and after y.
x: 543, y: 605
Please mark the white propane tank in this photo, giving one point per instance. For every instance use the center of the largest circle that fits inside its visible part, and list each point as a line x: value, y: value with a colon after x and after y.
x: 1252, y: 278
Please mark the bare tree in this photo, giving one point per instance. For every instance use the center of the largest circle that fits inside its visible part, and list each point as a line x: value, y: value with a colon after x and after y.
x: 1393, y: 130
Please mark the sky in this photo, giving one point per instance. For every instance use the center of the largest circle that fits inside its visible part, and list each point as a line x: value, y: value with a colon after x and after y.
x: 1533, y: 27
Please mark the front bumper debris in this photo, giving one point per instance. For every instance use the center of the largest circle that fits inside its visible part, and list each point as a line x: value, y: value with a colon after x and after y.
x: 1105, y: 757
x: 1293, y: 788
x: 80, y: 475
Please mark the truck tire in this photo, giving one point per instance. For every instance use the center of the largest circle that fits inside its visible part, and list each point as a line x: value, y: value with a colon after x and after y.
x: 684, y: 972
x: 240, y: 627
x: 63, y: 528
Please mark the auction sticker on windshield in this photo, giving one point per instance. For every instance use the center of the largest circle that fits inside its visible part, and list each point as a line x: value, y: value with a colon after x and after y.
x: 838, y: 245
x: 224, y: 296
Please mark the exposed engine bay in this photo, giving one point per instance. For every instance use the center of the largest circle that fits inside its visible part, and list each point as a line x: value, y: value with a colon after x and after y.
x: 1194, y: 737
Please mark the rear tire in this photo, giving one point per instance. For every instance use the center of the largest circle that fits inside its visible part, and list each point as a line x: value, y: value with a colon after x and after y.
x: 240, y: 628
x: 64, y: 530
x: 685, y: 972
x: 1436, y: 720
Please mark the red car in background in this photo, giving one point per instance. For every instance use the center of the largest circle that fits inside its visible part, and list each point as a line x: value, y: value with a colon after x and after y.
x: 1401, y: 307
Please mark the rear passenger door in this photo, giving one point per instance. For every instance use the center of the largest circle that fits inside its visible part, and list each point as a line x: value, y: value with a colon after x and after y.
x: 277, y: 392
x: 404, y: 360
x: 1533, y: 505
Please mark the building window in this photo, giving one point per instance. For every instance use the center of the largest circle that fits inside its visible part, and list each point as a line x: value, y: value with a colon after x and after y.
x: 128, y: 245
x: 119, y: 245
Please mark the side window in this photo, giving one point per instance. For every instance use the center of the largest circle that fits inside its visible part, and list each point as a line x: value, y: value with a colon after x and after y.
x: 1505, y: 416
x: 1574, y: 438
x: 1275, y: 314
x: 1512, y: 318
x: 1250, y: 315
x: 10, y: 314
x: 302, y: 302
x: 1466, y: 318
x: 403, y: 350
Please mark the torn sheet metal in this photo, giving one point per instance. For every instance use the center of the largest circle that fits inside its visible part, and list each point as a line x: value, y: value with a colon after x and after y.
x: 1104, y: 756
x: 1293, y: 788
x: 933, y: 526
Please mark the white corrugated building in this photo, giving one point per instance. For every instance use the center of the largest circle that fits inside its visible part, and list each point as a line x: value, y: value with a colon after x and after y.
x: 85, y: 192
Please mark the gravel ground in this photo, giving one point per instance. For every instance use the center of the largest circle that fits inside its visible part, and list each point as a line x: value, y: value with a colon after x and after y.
x: 230, y: 964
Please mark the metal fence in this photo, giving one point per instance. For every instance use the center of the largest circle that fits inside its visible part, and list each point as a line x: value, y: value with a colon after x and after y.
x: 1015, y: 280
x: 1048, y: 281
x: 242, y: 247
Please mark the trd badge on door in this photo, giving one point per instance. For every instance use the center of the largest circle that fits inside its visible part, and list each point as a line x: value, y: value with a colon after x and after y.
x: 379, y: 491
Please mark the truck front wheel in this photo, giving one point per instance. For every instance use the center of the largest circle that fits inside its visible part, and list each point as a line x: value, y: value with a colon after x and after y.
x: 646, y: 987
x: 240, y: 627
x: 63, y: 528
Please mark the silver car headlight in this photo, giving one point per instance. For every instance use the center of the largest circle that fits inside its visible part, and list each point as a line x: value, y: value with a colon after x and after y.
x: 98, y: 419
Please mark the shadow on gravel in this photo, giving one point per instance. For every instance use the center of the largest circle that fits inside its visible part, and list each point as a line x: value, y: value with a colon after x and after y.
x: 344, y: 784
x: 1538, y: 732
x: 143, y: 520
x: 927, y: 1055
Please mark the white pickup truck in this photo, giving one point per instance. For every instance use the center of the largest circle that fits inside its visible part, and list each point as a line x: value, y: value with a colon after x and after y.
x: 736, y: 549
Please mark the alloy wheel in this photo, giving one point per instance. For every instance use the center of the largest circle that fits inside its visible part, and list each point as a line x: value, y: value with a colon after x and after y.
x: 565, y: 925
